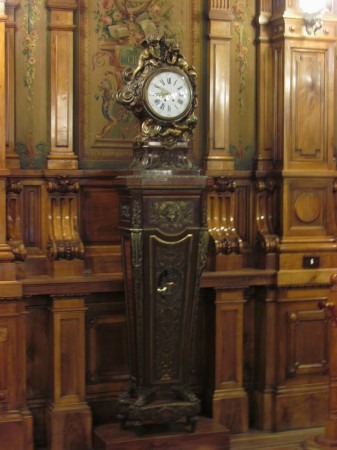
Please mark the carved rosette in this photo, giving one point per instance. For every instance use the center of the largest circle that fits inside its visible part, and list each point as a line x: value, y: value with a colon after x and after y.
x: 64, y: 241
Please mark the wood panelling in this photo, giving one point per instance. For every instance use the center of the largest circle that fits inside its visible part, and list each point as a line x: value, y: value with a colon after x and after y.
x: 107, y: 360
x: 261, y: 349
x: 99, y: 215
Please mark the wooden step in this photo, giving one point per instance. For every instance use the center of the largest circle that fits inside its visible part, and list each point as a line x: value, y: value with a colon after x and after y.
x: 208, y: 434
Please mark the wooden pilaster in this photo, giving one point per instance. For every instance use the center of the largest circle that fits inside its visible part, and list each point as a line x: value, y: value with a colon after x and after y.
x: 68, y: 415
x: 265, y: 126
x: 61, y: 26
x: 16, y: 424
x: 218, y: 158
x: 230, y: 401
x: 12, y: 158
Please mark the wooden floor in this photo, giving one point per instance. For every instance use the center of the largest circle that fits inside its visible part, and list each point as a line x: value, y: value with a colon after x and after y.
x: 287, y: 440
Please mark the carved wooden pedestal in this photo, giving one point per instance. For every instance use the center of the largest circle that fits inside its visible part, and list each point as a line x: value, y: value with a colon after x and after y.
x: 164, y: 240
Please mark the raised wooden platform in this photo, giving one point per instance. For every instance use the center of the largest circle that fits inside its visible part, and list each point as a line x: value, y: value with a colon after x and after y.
x: 208, y: 434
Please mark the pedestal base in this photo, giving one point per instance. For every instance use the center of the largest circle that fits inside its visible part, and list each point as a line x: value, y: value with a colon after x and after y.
x: 208, y: 434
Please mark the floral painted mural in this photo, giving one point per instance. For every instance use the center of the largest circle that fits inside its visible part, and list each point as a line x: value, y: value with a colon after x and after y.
x: 129, y: 22
x: 121, y: 27
x: 243, y: 86
x: 31, y: 17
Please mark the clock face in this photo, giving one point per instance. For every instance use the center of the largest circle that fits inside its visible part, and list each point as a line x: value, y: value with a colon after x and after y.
x: 168, y: 94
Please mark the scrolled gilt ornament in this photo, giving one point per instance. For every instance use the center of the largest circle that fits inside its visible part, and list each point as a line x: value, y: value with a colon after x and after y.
x: 166, y: 114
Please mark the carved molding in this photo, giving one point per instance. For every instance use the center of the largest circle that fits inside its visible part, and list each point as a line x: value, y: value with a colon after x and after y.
x: 14, y: 220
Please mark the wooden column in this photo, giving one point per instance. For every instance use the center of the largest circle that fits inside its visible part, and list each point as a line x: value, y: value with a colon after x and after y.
x: 230, y: 402
x: 61, y: 26
x: 69, y: 423
x: 218, y: 158
x: 12, y: 158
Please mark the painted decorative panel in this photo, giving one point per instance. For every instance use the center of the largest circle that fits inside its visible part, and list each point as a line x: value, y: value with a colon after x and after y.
x: 111, y: 41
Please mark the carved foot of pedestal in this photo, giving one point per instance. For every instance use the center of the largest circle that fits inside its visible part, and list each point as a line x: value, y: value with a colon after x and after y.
x: 192, y: 422
x: 122, y: 418
x: 139, y: 429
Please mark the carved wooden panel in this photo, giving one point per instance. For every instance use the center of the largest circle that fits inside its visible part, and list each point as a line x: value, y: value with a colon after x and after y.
x: 307, y: 342
x: 303, y: 353
x: 243, y: 213
x: 38, y: 364
x: 168, y: 308
x: 37, y: 349
x: 229, y: 327
x: 308, y: 122
x: 307, y: 208
x: 32, y: 217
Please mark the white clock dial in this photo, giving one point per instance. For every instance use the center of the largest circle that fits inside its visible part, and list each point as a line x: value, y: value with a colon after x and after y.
x: 168, y: 94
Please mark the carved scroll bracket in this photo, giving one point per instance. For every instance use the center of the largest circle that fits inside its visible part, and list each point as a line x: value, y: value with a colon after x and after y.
x: 221, y: 217
x: 64, y: 241
x: 14, y: 220
x: 266, y: 239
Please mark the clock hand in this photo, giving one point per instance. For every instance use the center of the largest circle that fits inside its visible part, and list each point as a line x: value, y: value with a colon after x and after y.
x: 163, y: 91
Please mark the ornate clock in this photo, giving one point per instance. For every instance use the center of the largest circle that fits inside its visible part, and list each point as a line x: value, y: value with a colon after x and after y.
x: 161, y: 92
x: 164, y: 238
x: 168, y: 95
